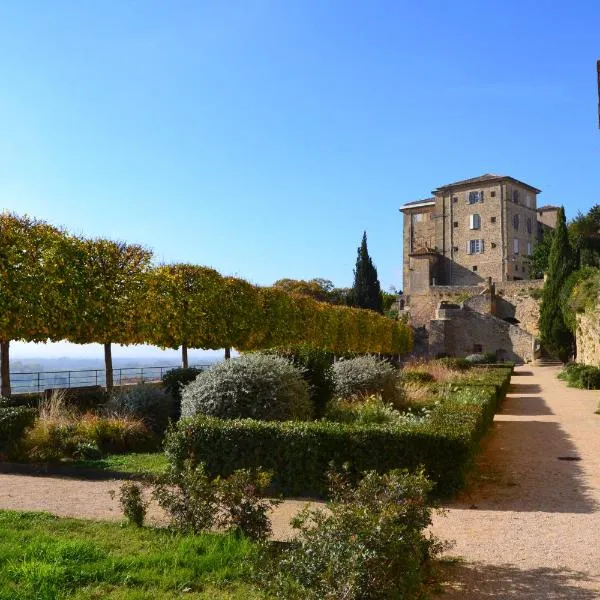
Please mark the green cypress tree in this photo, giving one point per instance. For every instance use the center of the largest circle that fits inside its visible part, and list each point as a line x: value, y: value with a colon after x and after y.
x: 366, y: 291
x: 555, y: 334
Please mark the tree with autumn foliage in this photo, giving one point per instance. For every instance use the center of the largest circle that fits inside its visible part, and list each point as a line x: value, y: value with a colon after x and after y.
x: 108, y: 292
x: 183, y: 308
x: 28, y: 306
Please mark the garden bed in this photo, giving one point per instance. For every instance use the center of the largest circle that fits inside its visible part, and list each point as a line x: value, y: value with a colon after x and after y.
x: 299, y: 453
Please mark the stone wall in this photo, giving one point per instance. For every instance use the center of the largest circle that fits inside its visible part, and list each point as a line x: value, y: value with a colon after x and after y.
x: 514, y: 300
x: 520, y: 300
x: 460, y: 332
x: 588, y: 337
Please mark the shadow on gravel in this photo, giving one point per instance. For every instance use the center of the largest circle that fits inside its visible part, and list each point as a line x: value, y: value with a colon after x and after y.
x: 526, y: 406
x: 523, y: 473
x: 522, y: 373
x: 524, y: 388
x: 479, y: 581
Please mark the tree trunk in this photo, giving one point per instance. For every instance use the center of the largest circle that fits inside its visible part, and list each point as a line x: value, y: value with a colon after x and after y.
x: 5, y: 390
x: 108, y: 366
x: 184, y: 356
x: 227, y: 353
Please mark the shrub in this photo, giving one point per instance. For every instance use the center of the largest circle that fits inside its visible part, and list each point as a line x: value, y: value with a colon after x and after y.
x: 316, y: 367
x: 366, y: 375
x: 372, y: 409
x: 143, y: 401
x: 173, y: 381
x: 581, y: 376
x: 259, y: 386
x: 370, y: 543
x: 476, y: 359
x: 417, y: 377
x: 14, y: 422
x: 132, y: 502
x: 299, y: 453
x: 187, y: 495
x: 455, y: 364
x: 84, y: 436
x: 196, y: 502
x: 243, y: 509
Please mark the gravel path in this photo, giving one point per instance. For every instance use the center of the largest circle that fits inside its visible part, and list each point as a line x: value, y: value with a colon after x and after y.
x: 527, y: 527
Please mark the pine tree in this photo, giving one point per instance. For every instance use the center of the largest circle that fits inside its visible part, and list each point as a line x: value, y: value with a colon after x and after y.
x: 554, y: 333
x: 366, y: 291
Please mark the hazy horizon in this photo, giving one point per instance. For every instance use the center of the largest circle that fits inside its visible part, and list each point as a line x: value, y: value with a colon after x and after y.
x: 66, y: 350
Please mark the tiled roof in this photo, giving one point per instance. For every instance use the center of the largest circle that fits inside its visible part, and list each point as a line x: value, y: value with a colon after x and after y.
x: 425, y: 201
x: 487, y: 178
x: 546, y: 207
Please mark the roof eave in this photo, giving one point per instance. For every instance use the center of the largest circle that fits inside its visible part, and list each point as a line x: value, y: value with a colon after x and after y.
x: 407, y: 207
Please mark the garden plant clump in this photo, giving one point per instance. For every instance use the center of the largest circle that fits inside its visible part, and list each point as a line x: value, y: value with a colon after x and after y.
x: 197, y: 502
x: 364, y: 376
x: 581, y: 376
x: 14, y: 422
x: 258, y: 386
x: 441, y: 434
x: 317, y: 369
x: 173, y: 382
x: 369, y: 543
x: 59, y: 431
x: 144, y: 401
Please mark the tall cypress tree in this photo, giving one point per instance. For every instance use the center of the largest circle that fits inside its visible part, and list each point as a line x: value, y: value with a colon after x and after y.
x: 561, y: 262
x: 366, y: 291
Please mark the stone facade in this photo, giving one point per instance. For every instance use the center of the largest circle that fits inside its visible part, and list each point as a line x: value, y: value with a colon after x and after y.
x: 516, y: 301
x: 479, y: 228
x: 588, y: 337
x: 462, y: 331
x: 519, y: 301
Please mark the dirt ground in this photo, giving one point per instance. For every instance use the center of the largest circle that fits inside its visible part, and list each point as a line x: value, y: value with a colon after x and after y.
x: 527, y: 527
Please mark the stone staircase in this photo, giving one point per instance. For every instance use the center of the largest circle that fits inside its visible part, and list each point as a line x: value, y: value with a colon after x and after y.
x: 547, y: 360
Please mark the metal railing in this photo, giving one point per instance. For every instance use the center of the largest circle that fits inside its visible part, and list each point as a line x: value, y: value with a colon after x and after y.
x: 38, y: 381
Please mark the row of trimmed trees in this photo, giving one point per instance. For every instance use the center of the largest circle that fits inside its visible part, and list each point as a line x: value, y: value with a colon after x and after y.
x: 57, y: 286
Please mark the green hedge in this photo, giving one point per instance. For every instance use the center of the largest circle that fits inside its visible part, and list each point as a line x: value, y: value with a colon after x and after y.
x: 14, y: 420
x: 299, y: 453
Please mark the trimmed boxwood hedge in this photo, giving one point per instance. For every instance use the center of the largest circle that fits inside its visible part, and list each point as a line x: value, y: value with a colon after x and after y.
x: 14, y: 420
x: 299, y: 453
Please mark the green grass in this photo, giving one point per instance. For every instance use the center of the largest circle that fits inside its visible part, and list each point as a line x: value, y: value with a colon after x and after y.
x: 49, y: 558
x: 154, y: 463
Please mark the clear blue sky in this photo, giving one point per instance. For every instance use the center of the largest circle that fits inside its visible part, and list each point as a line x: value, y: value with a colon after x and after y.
x: 261, y: 137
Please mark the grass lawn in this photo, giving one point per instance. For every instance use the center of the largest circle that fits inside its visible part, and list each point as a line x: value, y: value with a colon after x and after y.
x: 154, y: 463
x: 46, y: 558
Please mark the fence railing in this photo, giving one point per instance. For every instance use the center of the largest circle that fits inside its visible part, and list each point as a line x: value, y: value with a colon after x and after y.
x: 38, y: 381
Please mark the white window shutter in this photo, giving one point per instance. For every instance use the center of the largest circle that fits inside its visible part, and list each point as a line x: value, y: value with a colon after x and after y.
x: 468, y: 247
x: 471, y: 222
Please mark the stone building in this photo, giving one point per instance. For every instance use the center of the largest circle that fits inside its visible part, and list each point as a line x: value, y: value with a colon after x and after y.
x: 472, y: 230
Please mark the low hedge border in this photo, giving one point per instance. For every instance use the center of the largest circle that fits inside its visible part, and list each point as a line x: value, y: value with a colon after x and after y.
x: 300, y: 453
x: 14, y: 420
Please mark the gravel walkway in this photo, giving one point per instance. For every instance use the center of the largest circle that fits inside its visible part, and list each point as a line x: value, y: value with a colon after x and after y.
x: 528, y: 526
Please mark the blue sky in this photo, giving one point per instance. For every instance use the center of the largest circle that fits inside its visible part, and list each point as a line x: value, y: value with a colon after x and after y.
x: 261, y: 137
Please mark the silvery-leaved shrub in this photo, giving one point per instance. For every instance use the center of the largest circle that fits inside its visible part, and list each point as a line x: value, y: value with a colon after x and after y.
x: 366, y: 375
x: 255, y: 386
x: 371, y: 542
x: 148, y: 402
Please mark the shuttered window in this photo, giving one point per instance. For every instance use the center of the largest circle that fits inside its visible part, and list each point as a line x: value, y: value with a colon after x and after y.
x: 474, y: 246
x: 474, y: 221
